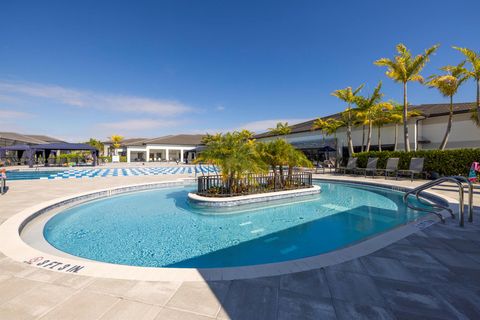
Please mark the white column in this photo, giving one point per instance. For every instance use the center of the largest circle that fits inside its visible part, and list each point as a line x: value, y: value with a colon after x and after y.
x: 147, y: 154
x: 128, y: 156
x: 167, y: 155
x: 181, y: 155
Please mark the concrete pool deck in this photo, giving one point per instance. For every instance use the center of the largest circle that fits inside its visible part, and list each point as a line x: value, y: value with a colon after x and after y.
x: 432, y: 274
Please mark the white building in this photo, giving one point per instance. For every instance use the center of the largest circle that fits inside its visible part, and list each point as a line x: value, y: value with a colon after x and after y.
x: 425, y: 132
x: 180, y: 148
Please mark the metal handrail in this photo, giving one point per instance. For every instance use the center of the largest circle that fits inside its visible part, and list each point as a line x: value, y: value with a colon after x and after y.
x: 459, y: 181
x: 470, y: 196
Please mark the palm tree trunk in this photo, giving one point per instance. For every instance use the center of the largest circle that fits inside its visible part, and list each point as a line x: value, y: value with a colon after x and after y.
x: 395, y: 141
x: 290, y: 172
x: 336, y: 148
x: 478, y: 100
x: 280, y: 171
x: 405, y: 118
x: 449, y: 126
x: 363, y: 138
x: 379, y: 139
x: 349, y: 133
x: 369, y: 135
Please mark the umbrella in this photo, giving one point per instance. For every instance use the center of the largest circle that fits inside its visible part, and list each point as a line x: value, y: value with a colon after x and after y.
x: 327, y: 149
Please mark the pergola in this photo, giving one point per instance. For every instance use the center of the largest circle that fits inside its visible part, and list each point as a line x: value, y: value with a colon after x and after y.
x: 47, y: 150
x: 19, y: 148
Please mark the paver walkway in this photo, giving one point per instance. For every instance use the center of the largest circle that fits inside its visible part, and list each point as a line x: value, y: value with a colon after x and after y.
x: 433, y: 274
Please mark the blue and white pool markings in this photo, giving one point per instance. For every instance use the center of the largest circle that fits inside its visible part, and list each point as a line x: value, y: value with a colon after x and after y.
x: 110, y: 172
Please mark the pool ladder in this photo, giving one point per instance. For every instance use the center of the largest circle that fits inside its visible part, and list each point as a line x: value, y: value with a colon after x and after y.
x: 461, y: 182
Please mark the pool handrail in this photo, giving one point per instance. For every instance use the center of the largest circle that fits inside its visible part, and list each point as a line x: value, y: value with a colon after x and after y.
x: 459, y: 181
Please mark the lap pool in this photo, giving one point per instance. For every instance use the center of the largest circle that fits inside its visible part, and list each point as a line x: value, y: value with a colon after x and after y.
x: 158, y: 228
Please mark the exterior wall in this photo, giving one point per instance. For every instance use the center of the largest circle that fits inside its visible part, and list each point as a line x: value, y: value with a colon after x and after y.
x: 166, y: 152
x: 464, y: 134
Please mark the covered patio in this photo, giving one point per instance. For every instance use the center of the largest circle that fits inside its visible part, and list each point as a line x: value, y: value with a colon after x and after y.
x: 46, y: 153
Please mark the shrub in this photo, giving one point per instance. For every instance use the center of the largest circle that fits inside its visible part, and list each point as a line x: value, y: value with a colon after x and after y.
x: 105, y: 158
x: 447, y: 162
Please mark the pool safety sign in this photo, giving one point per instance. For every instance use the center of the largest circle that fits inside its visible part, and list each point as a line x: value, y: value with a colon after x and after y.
x: 54, y: 265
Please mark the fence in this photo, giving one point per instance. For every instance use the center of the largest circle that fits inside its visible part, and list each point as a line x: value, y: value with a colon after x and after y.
x: 216, y: 186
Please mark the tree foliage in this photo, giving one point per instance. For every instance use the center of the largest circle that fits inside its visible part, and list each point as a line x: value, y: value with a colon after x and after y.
x: 404, y: 68
x: 281, y: 129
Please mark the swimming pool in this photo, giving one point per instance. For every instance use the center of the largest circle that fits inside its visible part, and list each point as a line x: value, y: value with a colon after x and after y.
x: 159, y: 229
x: 106, y: 172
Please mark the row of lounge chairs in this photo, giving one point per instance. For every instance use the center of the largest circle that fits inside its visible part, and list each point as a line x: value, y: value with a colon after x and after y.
x: 390, y: 170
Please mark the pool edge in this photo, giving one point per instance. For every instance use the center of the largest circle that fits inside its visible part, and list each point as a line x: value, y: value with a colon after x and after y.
x: 13, y: 246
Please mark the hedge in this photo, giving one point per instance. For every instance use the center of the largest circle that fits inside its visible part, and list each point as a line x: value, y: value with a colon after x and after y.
x: 109, y: 158
x: 448, y: 162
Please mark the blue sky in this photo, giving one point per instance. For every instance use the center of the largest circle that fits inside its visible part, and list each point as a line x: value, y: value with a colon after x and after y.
x: 151, y: 68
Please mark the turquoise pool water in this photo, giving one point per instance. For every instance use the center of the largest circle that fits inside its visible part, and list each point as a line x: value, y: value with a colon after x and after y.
x: 159, y: 229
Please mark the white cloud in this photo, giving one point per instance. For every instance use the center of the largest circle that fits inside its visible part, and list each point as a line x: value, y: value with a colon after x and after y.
x: 255, y: 126
x: 12, y: 114
x: 263, y: 125
x: 83, y: 98
x: 142, y: 124
x: 220, y: 108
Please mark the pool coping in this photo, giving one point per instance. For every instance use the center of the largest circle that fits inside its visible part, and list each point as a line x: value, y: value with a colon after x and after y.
x: 219, y: 202
x: 13, y: 246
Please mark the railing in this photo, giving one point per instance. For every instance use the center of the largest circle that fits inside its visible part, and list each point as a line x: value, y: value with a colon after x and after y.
x: 459, y: 181
x: 216, y: 186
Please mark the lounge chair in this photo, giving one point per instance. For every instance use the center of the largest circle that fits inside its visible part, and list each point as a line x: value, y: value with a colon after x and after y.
x: 391, y: 168
x: 351, y: 166
x: 371, y: 167
x: 416, y: 167
x: 321, y: 166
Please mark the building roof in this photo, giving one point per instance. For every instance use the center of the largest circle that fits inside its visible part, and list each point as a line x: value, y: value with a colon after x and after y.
x: 133, y: 142
x: 427, y: 110
x: 21, y: 138
x: 179, y: 139
x: 64, y: 146
x: 128, y: 142
x: 43, y: 138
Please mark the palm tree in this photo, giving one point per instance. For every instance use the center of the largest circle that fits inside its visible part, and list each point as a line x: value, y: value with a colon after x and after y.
x: 279, y: 153
x: 321, y: 125
x: 381, y: 117
x: 281, y: 129
x: 448, y: 85
x: 360, y: 119
x: 296, y: 158
x: 274, y: 154
x: 330, y: 127
x: 234, y: 153
x: 396, y: 117
x: 348, y: 95
x: 116, y: 141
x: 366, y: 107
x: 473, y: 58
x: 97, y: 144
x: 404, y: 68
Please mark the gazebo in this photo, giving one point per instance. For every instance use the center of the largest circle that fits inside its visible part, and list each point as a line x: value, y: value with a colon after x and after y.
x: 49, y: 147
x: 19, y: 148
x: 47, y: 150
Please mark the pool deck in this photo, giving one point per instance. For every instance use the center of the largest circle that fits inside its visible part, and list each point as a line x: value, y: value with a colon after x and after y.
x: 432, y: 274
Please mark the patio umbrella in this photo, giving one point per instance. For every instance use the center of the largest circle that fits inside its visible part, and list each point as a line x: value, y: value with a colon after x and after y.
x: 326, y: 150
